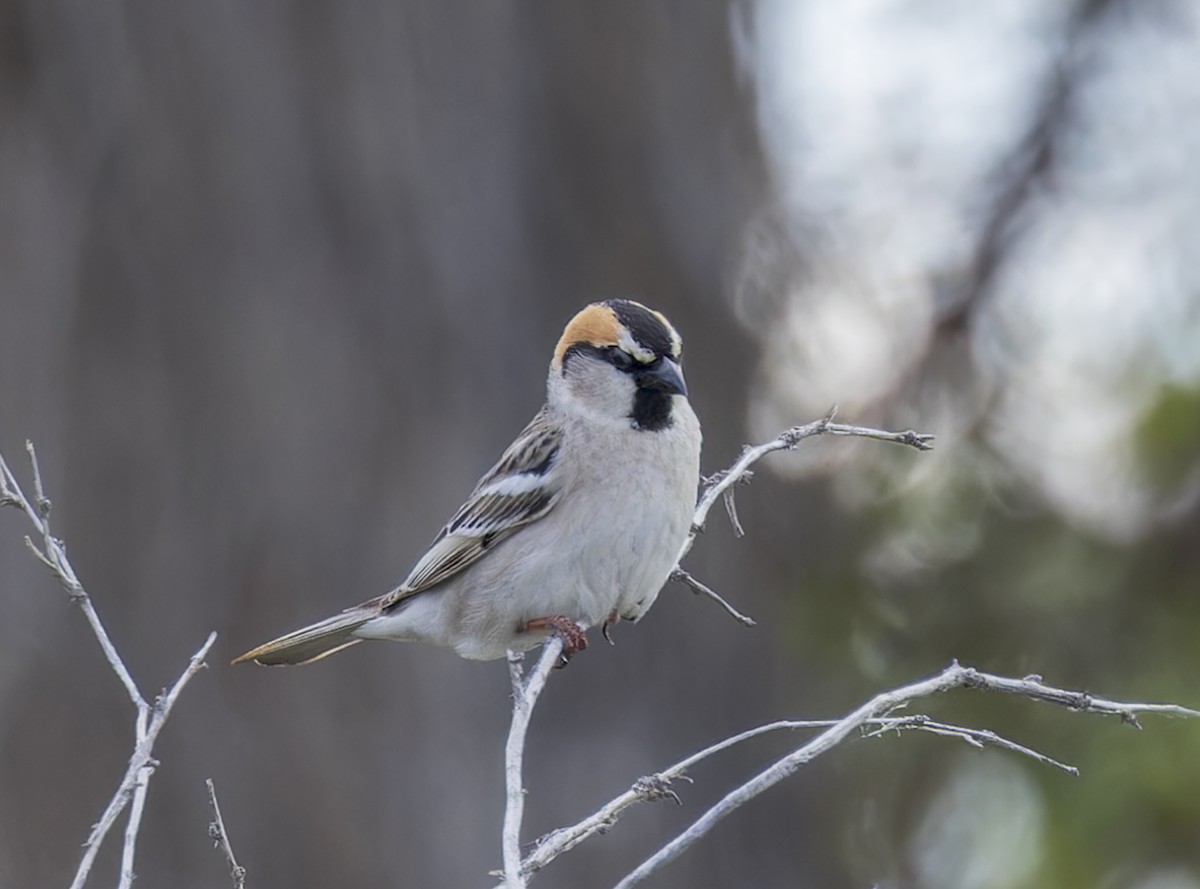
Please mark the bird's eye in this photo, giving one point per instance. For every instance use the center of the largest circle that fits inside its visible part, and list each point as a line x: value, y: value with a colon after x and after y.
x: 620, y: 359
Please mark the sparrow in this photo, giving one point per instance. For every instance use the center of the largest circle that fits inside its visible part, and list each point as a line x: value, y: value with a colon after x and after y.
x: 579, y: 523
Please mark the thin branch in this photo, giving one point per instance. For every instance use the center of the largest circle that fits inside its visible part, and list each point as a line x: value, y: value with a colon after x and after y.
x: 134, y: 824
x: 787, y: 440
x: 655, y: 787
x: 976, y: 737
x: 54, y: 556
x: 220, y: 838
x: 141, y: 786
x: 527, y: 688
x: 148, y: 721
x: 646, y: 789
x: 526, y: 691
x: 681, y: 576
x: 954, y: 676
x: 1033, y: 687
x: 141, y: 758
x: 731, y: 507
x: 721, y: 485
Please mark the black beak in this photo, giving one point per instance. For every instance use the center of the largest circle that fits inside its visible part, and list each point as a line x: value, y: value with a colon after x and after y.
x: 663, y: 375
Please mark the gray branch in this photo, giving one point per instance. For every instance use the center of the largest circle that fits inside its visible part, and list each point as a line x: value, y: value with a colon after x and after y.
x: 54, y: 556
x: 526, y: 690
x: 220, y: 838
x: 721, y: 486
x: 148, y: 721
x: 871, y: 720
x: 875, y: 715
x: 954, y: 676
x: 681, y: 576
x: 652, y: 788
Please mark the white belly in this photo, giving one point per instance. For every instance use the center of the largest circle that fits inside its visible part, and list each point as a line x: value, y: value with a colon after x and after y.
x: 607, y: 546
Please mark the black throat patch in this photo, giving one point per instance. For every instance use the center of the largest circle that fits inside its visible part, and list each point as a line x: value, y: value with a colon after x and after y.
x: 651, y: 410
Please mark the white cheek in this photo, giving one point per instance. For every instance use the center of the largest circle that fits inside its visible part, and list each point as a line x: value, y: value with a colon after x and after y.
x: 595, y: 390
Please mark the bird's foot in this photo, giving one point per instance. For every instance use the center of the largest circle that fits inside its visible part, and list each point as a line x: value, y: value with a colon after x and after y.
x: 611, y: 621
x: 573, y: 637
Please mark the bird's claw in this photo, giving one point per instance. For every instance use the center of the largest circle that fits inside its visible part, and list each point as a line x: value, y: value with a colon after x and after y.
x: 611, y: 621
x: 574, y: 639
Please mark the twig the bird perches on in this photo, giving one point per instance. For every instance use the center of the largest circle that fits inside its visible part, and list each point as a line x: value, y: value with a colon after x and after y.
x: 148, y: 721
x: 526, y: 689
x: 872, y: 719
x: 720, y: 486
x: 652, y: 787
x: 220, y: 838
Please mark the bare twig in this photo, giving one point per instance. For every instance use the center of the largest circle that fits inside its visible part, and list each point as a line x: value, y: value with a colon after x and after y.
x: 731, y: 508
x: 976, y: 737
x: 654, y: 787
x: 220, y: 838
x: 787, y: 440
x: 644, y: 789
x: 148, y: 721
x: 721, y: 485
x: 133, y: 826
x: 142, y: 758
x: 954, y: 676
x: 681, y: 576
x: 526, y: 690
x: 54, y: 556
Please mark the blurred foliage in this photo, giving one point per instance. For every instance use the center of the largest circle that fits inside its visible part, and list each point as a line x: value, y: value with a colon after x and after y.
x: 1168, y: 439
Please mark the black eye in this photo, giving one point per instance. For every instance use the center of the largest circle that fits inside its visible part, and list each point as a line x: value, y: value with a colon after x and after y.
x: 619, y: 358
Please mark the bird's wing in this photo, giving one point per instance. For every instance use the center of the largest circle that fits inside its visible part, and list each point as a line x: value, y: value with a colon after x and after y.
x: 520, y: 489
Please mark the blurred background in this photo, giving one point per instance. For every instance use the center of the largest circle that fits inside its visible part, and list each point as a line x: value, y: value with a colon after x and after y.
x: 278, y: 282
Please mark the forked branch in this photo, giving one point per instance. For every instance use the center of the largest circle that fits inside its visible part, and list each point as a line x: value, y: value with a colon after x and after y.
x: 721, y: 486
x: 527, y: 688
x: 871, y: 720
x: 148, y: 720
x: 883, y: 704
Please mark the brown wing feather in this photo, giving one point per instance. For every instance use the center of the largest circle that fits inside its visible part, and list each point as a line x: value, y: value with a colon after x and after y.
x: 489, y: 516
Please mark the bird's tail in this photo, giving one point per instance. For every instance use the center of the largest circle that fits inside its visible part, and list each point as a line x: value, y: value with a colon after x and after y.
x: 315, y: 641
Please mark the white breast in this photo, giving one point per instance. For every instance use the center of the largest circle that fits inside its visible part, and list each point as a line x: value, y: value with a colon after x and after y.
x: 635, y: 515
x: 608, y: 545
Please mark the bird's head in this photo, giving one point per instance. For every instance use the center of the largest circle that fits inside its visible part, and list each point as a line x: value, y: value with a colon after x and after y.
x: 619, y: 360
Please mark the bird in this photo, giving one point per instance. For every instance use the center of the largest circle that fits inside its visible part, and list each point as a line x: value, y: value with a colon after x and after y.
x: 579, y: 523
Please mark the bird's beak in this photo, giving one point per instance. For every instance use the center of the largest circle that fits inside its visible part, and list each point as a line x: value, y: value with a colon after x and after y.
x: 664, y: 375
